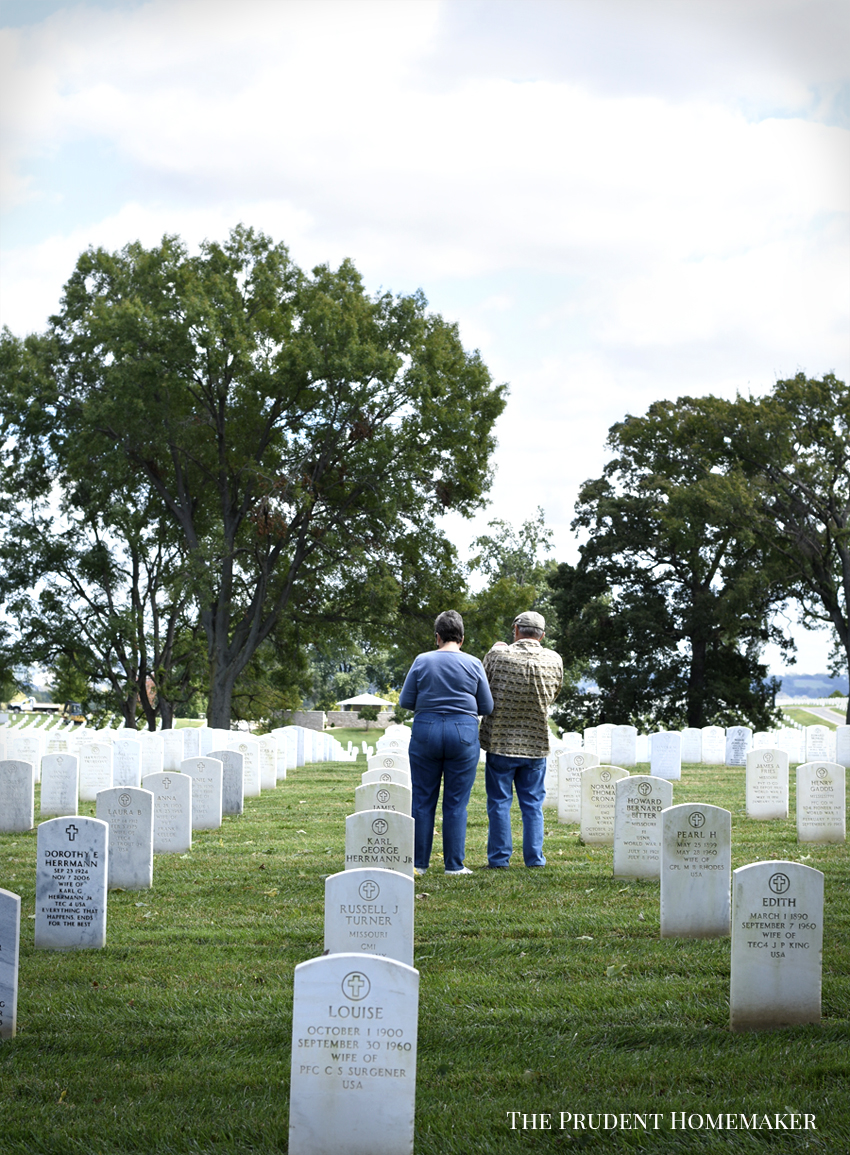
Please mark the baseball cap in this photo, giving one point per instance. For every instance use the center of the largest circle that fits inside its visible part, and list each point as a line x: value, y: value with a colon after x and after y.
x: 530, y: 621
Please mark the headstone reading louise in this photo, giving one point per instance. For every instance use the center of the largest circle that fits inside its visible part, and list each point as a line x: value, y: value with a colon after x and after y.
x: 713, y: 746
x: 17, y: 796
x: 10, y: 945
x: 638, y: 804
x: 371, y: 912
x: 598, y: 792
x: 232, y: 780
x: 60, y: 783
x: 817, y: 743
x: 206, y: 775
x: 95, y: 769
x: 383, y: 796
x: 767, y: 784
x: 696, y: 868
x: 739, y: 742
x: 172, y: 811
x: 70, y: 884
x: 623, y: 746
x: 665, y: 755
x: 381, y: 838
x: 842, y: 746
x: 777, y: 943
x: 572, y: 763
x: 820, y: 802
x: 386, y: 774
x: 128, y: 811
x: 353, y: 1076
x: 691, y: 746
x: 126, y: 762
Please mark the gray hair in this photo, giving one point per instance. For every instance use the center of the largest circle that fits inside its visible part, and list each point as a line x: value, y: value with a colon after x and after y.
x: 449, y: 626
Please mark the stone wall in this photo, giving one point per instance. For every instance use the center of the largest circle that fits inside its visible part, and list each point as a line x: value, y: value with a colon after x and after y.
x: 349, y: 719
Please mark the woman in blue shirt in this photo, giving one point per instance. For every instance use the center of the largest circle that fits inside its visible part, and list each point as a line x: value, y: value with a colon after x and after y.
x: 447, y: 691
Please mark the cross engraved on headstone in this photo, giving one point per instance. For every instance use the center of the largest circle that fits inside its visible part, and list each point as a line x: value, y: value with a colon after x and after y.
x: 369, y: 890
x: 355, y: 983
x: 779, y: 883
x: 645, y: 788
x: 166, y: 782
x: 72, y: 832
x: 386, y: 778
x: 380, y: 826
x: 124, y: 799
x: 696, y: 820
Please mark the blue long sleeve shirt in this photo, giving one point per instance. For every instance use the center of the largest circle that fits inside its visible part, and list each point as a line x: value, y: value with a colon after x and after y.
x: 446, y: 682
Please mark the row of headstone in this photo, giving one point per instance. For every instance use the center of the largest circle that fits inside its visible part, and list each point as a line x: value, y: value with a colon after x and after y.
x: 710, y: 745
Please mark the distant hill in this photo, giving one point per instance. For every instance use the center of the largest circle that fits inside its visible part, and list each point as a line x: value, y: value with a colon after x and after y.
x: 812, y: 685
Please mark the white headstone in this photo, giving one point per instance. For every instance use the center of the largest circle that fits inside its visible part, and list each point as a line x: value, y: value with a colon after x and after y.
x: 696, y: 869
x: 598, y: 793
x: 249, y: 748
x: 590, y: 740
x: 128, y: 811
x: 150, y: 757
x: 17, y: 796
x: 637, y: 825
x: 777, y: 943
x: 267, y: 751
x: 603, y: 743
x: 232, y: 780
x: 191, y: 742
x: 691, y: 746
x: 206, y: 775
x: 10, y: 945
x: 381, y: 838
x: 842, y: 746
x: 572, y: 763
x: 383, y: 796
x: 25, y: 747
x: 623, y: 746
x: 95, y: 769
x: 206, y: 741
x: 820, y: 802
x: 642, y: 750
x: 172, y: 750
x: 353, y: 1075
x: 388, y: 761
x: 713, y: 746
x: 817, y: 743
x: 126, y: 762
x: 767, y: 784
x: 386, y: 774
x: 570, y: 740
x: 70, y: 884
x: 60, y: 783
x: 371, y: 912
x: 763, y: 740
x: 665, y: 755
x: 172, y: 812
x: 550, y: 781
x: 739, y: 742
x: 792, y: 742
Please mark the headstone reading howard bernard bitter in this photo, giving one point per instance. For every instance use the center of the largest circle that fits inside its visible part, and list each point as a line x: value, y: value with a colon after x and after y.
x: 371, y: 912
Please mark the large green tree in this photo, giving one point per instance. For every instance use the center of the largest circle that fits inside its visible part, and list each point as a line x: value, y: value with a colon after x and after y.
x: 669, y: 605
x: 297, y: 434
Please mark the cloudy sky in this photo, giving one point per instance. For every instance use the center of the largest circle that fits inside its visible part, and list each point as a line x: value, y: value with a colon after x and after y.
x: 617, y: 200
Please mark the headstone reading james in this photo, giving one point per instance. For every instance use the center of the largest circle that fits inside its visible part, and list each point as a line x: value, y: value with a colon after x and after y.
x: 371, y: 912
x: 777, y: 942
x: 10, y: 945
x: 128, y: 811
x: 637, y: 825
x: 381, y: 838
x: 353, y: 1076
x: 383, y: 796
x: 70, y: 884
x: 767, y: 784
x: 696, y: 869
x: 820, y: 802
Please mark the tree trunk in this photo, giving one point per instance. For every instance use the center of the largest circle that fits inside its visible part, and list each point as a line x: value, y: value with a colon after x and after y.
x: 696, y: 684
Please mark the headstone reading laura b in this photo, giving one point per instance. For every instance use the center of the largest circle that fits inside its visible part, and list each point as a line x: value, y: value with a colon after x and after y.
x: 777, y: 940
x: 10, y: 943
x: 353, y: 1074
x: 70, y: 884
x: 370, y: 911
x: 128, y: 811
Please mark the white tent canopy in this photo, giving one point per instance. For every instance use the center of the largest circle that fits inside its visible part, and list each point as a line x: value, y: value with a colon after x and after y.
x: 364, y: 700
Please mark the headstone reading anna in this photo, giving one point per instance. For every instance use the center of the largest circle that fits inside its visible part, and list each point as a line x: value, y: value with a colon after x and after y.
x: 739, y: 742
x: 172, y: 811
x: 70, y: 884
x: 665, y: 755
x: 696, y: 868
x: 598, y: 793
x: 60, y: 783
x: 383, y: 796
x: 232, y: 780
x: 713, y: 746
x: 17, y: 796
x: 638, y: 804
x: 371, y: 912
x: 767, y: 784
x: 353, y: 1074
x: 623, y: 746
x: 10, y: 946
x: 820, y: 802
x: 569, y: 783
x: 691, y: 746
x: 128, y: 811
x: 206, y: 775
x: 381, y: 838
x: 95, y: 769
x: 777, y: 943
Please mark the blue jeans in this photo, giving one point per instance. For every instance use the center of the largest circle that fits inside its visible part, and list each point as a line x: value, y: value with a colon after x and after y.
x: 442, y: 746
x: 527, y: 776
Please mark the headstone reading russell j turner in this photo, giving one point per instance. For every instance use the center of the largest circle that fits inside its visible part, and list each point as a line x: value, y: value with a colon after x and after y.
x: 70, y: 884
x: 370, y: 911
x: 777, y: 940
x: 10, y: 942
x: 353, y: 1074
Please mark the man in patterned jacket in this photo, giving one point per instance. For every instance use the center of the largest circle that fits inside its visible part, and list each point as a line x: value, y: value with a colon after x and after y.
x: 524, y: 681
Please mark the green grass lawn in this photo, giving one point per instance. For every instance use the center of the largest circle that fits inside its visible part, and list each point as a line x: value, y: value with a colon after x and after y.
x: 807, y: 718
x: 175, y: 1038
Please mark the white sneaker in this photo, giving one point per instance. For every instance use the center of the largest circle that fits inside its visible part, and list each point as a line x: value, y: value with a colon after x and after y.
x: 416, y: 870
x: 463, y: 870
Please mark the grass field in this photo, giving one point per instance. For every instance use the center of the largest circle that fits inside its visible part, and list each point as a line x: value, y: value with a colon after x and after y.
x: 541, y: 992
x: 807, y: 718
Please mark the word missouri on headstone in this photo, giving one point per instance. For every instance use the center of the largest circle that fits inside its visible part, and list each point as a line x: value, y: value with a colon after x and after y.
x: 371, y: 912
